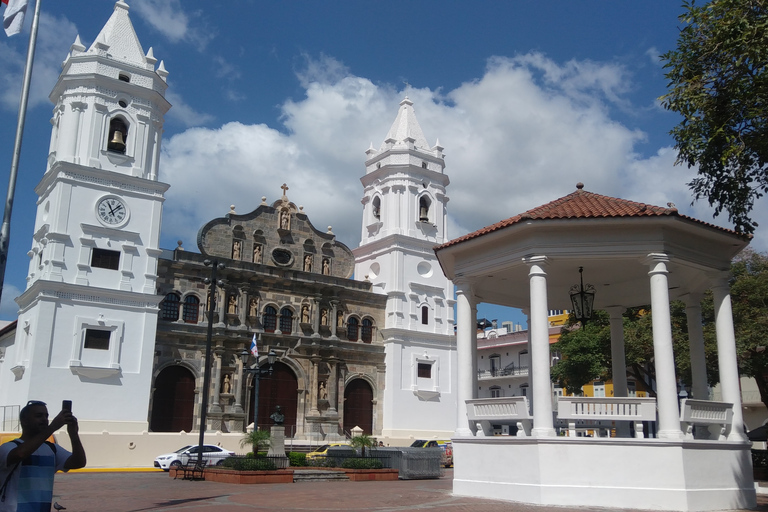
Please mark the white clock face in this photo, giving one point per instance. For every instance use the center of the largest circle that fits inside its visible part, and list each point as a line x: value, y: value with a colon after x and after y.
x: 112, y: 211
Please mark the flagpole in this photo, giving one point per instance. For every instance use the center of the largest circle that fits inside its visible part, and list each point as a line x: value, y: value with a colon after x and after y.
x: 5, y: 230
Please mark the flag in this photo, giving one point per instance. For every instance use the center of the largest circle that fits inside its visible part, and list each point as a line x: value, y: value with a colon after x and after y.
x: 254, y: 348
x: 13, y: 18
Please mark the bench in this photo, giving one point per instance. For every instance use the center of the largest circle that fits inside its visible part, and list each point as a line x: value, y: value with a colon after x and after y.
x: 585, y: 410
x: 705, y: 413
x: 192, y: 470
x: 507, y: 410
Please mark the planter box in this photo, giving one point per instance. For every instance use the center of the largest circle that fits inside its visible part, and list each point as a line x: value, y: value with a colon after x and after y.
x: 364, y: 475
x: 231, y: 476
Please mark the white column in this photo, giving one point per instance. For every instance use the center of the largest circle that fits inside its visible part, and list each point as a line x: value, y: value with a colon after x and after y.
x: 666, y: 385
x: 699, y: 387
x: 543, y: 425
x: 315, y: 361
x: 726, y: 354
x: 466, y: 324
x: 618, y: 361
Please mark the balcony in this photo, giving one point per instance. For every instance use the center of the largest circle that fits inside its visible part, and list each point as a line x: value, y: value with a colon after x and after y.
x: 510, y: 370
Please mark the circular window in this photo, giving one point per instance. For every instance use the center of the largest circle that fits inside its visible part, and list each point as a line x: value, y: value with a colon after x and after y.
x: 373, y: 272
x: 424, y: 269
x: 282, y: 257
x: 122, y: 103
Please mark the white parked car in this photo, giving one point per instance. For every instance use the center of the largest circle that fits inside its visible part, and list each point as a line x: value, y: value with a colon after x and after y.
x: 211, y: 453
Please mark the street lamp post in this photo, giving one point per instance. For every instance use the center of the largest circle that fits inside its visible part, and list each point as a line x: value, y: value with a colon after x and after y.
x: 257, y: 374
x: 215, y: 266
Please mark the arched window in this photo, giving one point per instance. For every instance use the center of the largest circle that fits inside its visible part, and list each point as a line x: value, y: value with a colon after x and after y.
x: 286, y: 321
x: 424, y: 209
x: 377, y: 208
x: 269, y: 319
x: 366, y: 332
x: 191, y: 309
x: 425, y: 315
x: 169, y: 308
x: 352, y: 327
x: 118, y: 135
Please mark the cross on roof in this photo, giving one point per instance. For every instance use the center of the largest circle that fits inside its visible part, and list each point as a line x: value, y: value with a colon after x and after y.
x: 285, y: 188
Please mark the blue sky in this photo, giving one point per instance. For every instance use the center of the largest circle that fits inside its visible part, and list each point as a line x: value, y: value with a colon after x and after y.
x: 528, y: 98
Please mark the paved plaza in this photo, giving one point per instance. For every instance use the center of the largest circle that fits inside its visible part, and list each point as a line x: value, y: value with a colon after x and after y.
x: 148, y: 491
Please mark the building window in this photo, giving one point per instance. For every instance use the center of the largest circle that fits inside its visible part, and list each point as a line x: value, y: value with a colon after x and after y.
x: 524, y: 389
x: 495, y: 360
x: 366, y: 333
x: 425, y: 371
x: 103, y: 258
x: 353, y: 325
x: 123, y: 77
x: 424, y: 209
x: 631, y: 388
x: 270, y: 319
x: 377, y: 208
x: 425, y: 315
x: 598, y: 388
x: 191, y: 309
x: 96, y: 339
x: 496, y: 392
x: 286, y: 321
x: 169, y: 309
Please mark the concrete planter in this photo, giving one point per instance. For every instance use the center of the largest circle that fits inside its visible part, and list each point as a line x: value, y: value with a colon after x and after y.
x: 365, y: 475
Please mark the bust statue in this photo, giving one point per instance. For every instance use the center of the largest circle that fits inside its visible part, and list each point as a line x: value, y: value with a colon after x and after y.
x: 278, y: 417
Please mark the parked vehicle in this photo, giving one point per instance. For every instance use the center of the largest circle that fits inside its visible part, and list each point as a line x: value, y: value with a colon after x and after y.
x: 322, y: 451
x: 446, y: 445
x: 211, y: 453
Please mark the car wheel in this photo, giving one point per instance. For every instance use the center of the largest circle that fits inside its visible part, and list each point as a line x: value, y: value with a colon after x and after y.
x: 175, y: 464
x: 220, y: 462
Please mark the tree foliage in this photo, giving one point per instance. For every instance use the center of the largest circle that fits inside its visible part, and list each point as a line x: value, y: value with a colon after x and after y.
x: 257, y: 439
x: 718, y: 82
x: 584, y: 353
x: 362, y: 441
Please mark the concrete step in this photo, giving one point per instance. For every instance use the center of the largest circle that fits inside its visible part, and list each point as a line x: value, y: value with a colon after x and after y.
x: 318, y: 475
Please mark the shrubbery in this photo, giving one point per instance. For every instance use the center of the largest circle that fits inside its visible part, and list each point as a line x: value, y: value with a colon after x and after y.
x: 297, y: 459
x: 359, y: 463
x: 249, y: 464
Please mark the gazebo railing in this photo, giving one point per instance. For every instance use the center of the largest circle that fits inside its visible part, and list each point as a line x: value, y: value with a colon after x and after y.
x: 508, y: 410
x: 703, y: 413
x: 583, y: 410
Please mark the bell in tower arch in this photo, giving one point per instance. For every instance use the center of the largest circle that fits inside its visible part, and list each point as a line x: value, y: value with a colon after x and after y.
x: 117, y: 135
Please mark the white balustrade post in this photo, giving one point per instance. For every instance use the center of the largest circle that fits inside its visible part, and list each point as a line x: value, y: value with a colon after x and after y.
x: 664, y: 358
x: 699, y: 387
x: 726, y: 354
x: 543, y: 425
x: 466, y: 325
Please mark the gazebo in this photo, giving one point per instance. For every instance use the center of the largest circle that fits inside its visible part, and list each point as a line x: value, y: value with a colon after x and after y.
x: 633, y: 254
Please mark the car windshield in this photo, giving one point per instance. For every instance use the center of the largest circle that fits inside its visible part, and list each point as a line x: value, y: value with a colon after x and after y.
x: 182, y: 449
x: 323, y: 448
x: 418, y: 443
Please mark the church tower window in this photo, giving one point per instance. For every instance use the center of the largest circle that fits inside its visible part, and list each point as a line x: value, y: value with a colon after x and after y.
x: 424, y: 205
x: 366, y: 332
x: 377, y: 208
x: 425, y: 315
x: 286, y: 321
x: 104, y: 258
x: 124, y: 77
x: 118, y: 135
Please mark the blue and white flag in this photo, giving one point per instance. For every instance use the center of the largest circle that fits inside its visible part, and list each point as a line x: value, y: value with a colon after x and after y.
x: 254, y: 348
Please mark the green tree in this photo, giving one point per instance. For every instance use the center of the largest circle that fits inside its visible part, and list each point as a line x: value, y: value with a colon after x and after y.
x: 718, y: 82
x: 749, y: 300
x: 362, y: 441
x: 257, y: 439
x: 584, y: 353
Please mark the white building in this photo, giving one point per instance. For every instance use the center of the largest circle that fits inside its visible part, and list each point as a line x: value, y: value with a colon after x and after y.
x: 88, y: 316
x: 404, y: 217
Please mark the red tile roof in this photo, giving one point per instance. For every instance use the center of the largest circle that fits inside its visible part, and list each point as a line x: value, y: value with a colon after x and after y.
x: 584, y: 205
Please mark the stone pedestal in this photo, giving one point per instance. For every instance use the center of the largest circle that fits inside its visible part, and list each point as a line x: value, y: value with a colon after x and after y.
x: 277, y: 441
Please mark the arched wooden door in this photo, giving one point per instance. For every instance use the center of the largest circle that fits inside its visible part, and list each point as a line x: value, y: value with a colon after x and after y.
x: 358, y: 406
x: 281, y: 388
x: 173, y: 403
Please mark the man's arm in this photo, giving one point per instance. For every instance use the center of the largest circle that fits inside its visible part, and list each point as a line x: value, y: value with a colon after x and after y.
x: 77, y: 459
x: 32, y: 443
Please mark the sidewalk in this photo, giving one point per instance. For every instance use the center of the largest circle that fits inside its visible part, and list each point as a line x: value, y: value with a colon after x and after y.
x: 144, y: 492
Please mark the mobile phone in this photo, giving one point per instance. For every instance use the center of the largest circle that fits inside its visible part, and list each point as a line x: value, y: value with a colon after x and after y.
x: 66, y: 405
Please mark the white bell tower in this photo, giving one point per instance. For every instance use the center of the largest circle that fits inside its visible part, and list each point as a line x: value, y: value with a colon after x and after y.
x: 404, y: 217
x: 87, y: 319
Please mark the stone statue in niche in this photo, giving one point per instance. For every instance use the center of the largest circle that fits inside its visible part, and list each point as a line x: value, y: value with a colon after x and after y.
x: 232, y: 306
x: 257, y: 253
x: 226, y: 386
x: 308, y: 263
x: 285, y: 219
x: 326, y: 267
x: 304, y: 314
x: 215, y: 303
x: 339, y: 319
x: 253, y: 307
x: 323, y: 317
x: 323, y: 392
x: 236, y: 246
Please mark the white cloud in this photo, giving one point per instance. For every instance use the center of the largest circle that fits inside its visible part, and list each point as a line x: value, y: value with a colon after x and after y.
x: 8, y: 307
x: 183, y: 112
x: 521, y: 135
x: 173, y: 21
